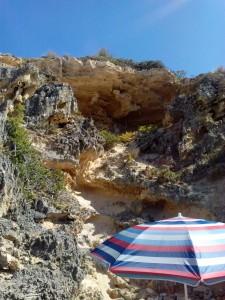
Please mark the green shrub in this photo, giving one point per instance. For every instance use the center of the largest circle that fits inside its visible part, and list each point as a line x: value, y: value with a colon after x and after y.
x: 127, y: 136
x: 34, y: 176
x: 104, y: 55
x: 149, y: 64
x: 147, y: 128
x: 164, y: 174
x: 111, y: 138
x: 103, y: 52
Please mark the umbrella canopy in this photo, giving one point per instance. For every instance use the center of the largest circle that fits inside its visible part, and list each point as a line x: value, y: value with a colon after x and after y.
x: 185, y: 250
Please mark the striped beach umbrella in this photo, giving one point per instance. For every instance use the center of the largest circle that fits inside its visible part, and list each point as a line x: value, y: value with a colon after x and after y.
x: 180, y: 249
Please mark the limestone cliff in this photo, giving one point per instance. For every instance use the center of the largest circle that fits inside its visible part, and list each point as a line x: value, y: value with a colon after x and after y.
x: 114, y: 95
x: 66, y: 184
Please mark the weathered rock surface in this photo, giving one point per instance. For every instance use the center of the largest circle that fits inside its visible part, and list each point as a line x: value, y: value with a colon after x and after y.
x: 177, y: 167
x: 193, y: 143
x: 19, y: 83
x: 39, y: 260
x: 42, y: 263
x: 53, y: 103
x: 9, y: 60
x: 79, y: 136
x: 39, y: 257
x: 180, y: 165
x: 114, y: 96
x: 61, y: 148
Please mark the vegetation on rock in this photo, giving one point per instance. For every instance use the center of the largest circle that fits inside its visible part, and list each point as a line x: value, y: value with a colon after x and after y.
x: 34, y: 176
x: 164, y: 174
x: 104, y: 55
x: 147, y: 128
x: 111, y: 138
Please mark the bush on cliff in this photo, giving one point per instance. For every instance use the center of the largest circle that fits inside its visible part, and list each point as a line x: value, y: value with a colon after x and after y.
x: 111, y: 138
x: 34, y: 176
x: 104, y: 55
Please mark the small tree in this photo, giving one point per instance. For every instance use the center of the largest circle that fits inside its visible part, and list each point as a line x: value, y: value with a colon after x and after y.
x: 104, y: 52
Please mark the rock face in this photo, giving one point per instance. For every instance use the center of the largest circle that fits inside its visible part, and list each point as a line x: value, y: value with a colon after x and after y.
x: 39, y: 262
x: 112, y: 95
x: 19, y: 83
x: 180, y: 163
x: 39, y: 257
x: 51, y: 269
x: 157, y: 171
x: 9, y: 60
x: 124, y: 98
x: 52, y: 103
x: 77, y: 137
x: 193, y: 143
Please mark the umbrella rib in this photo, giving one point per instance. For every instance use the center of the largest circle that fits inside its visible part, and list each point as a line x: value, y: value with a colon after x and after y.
x: 192, y: 245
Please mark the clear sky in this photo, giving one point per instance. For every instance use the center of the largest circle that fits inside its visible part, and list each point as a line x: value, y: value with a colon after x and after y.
x: 185, y: 34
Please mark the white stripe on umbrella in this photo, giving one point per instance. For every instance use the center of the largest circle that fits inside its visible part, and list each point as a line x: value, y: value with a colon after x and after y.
x: 201, y: 262
x: 109, y: 250
x: 181, y: 225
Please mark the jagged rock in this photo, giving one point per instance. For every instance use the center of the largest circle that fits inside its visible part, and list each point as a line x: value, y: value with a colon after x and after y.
x: 121, y: 98
x: 19, y: 83
x: 4, y: 110
x: 38, y: 283
x: 114, y: 95
x: 90, y: 294
x: 42, y: 206
x: 10, y: 60
x: 7, y: 72
x: 117, y: 173
x: 7, y: 259
x: 8, y: 185
x: 77, y: 137
x: 193, y: 142
x: 51, y: 272
x: 53, y: 103
x: 56, y: 274
x: 197, y: 134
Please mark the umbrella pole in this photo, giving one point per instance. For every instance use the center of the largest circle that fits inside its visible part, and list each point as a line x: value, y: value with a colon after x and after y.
x: 185, y: 292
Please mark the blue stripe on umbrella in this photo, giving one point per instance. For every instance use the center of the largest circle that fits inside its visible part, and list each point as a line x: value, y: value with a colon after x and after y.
x: 107, y: 257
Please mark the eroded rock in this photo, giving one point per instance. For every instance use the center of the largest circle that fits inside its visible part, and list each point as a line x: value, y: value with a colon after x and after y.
x: 114, y: 96
x: 53, y: 103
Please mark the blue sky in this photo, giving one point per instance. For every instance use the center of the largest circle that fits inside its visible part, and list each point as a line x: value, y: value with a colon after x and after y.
x: 185, y: 34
